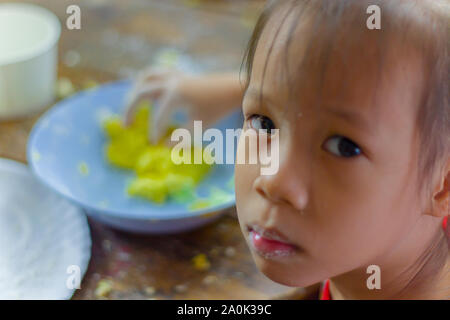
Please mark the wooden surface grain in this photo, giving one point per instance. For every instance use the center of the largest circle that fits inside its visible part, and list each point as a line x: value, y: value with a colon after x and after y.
x: 117, y: 39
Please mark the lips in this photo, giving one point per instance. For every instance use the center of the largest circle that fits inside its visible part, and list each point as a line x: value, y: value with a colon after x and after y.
x: 270, y: 243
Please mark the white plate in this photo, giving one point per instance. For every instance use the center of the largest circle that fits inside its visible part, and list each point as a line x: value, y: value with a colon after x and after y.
x: 44, y: 240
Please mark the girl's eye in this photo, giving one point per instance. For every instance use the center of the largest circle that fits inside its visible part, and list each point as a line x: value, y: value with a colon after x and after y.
x: 342, y: 147
x: 259, y: 122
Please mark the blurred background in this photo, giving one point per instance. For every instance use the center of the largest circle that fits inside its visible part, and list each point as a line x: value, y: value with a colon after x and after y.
x: 118, y: 38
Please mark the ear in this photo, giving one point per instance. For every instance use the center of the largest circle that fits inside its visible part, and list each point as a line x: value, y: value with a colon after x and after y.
x: 441, y: 194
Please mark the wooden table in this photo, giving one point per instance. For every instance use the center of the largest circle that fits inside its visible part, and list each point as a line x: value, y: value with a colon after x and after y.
x: 117, y: 38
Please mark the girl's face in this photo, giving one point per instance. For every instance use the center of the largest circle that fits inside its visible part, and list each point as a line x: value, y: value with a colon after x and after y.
x: 345, y: 194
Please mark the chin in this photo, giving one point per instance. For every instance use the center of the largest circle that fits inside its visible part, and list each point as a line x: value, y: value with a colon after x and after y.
x: 279, y: 273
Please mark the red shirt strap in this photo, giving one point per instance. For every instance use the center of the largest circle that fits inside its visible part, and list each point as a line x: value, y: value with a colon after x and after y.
x: 444, y: 223
x: 325, y: 295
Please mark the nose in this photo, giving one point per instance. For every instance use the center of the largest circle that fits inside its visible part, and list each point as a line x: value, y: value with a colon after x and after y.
x: 288, y: 186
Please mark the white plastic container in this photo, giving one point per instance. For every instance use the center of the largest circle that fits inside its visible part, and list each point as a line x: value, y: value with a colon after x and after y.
x: 29, y: 37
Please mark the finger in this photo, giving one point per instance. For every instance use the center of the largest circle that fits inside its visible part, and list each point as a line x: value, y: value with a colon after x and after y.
x: 149, y: 92
x: 188, y: 126
x: 132, y: 99
x: 146, y: 81
x: 162, y: 115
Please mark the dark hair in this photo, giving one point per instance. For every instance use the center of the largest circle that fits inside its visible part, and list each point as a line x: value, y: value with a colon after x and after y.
x: 422, y: 25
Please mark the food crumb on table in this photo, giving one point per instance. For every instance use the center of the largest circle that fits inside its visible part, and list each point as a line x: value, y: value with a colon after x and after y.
x: 214, y: 252
x: 89, y: 84
x: 104, y: 288
x: 230, y: 252
x: 149, y: 290
x: 209, y: 279
x: 180, y: 288
x: 107, y: 245
x: 201, y: 262
x: 64, y: 88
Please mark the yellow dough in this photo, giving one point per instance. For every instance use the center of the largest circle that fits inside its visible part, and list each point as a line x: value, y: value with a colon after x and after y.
x: 157, y: 178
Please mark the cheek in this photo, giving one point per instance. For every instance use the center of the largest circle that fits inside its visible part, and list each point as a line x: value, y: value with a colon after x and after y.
x: 245, y: 175
x: 360, y: 216
x: 243, y: 182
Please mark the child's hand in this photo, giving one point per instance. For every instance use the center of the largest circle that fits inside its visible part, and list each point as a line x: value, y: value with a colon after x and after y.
x: 155, y: 85
x: 205, y: 97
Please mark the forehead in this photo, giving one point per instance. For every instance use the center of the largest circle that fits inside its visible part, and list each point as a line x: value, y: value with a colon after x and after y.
x: 300, y: 57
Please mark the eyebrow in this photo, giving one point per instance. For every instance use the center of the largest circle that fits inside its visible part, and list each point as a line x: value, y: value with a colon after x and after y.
x: 352, y: 117
x: 255, y: 93
x: 258, y: 96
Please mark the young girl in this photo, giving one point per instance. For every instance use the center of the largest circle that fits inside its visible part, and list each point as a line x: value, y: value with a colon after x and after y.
x: 363, y: 186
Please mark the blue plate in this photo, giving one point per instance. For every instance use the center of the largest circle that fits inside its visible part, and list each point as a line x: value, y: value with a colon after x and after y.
x: 66, y: 153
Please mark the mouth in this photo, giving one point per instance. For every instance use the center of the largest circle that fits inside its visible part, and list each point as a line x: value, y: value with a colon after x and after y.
x: 270, y: 243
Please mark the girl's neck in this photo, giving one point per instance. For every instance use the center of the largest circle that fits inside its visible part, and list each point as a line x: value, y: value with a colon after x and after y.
x: 424, y: 276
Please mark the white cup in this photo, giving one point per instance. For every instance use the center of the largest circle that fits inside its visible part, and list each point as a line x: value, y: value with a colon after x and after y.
x: 29, y: 37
